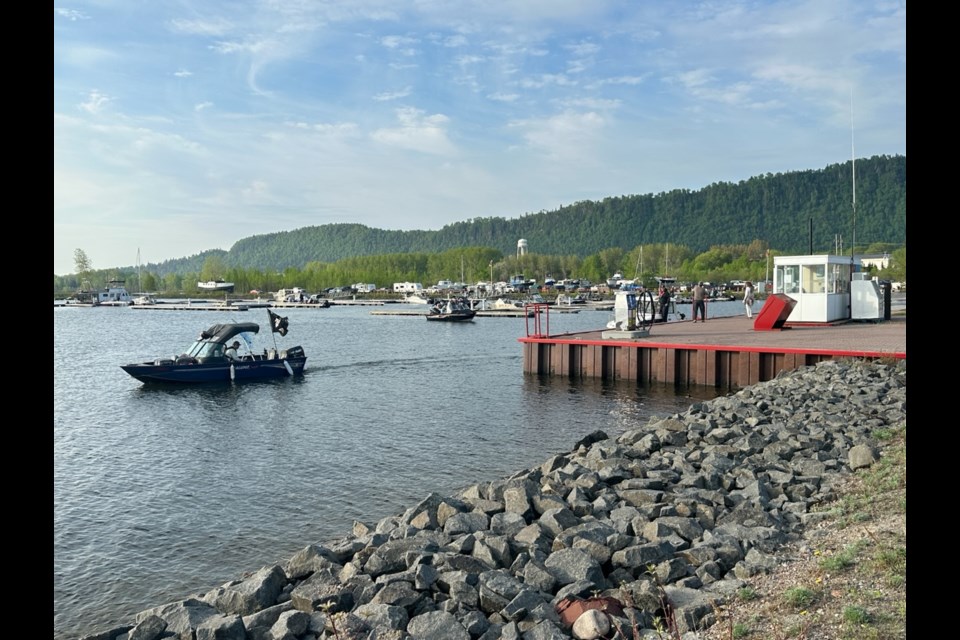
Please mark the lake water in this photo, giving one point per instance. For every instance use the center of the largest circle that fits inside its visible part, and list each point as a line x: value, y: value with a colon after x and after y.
x: 161, y: 493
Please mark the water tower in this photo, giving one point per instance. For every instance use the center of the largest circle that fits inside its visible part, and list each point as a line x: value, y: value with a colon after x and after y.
x: 521, y: 247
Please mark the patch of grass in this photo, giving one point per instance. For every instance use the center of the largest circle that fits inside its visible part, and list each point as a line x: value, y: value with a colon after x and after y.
x: 840, y: 561
x: 747, y: 593
x: 799, y: 597
x: 740, y: 630
x: 856, y: 615
x: 891, y: 560
x: 884, y: 434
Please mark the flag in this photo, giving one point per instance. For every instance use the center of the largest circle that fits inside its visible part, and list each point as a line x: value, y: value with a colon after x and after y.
x: 277, y: 324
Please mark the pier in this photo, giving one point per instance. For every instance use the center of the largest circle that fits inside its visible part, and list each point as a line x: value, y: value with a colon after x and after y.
x: 725, y: 353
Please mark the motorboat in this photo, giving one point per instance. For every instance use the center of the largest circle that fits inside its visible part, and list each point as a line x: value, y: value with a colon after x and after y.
x: 215, y: 285
x: 145, y: 299
x: 566, y: 300
x: 416, y: 298
x: 614, y: 281
x: 207, y: 359
x: 451, y: 310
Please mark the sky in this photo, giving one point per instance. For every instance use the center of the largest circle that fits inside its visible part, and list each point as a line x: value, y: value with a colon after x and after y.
x: 185, y: 126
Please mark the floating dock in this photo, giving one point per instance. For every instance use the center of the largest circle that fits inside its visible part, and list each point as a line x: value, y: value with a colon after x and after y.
x: 725, y: 353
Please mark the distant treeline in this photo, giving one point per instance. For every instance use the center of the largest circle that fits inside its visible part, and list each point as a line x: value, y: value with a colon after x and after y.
x: 796, y: 212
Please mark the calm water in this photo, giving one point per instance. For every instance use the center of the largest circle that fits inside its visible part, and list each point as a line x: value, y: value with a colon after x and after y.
x: 162, y: 493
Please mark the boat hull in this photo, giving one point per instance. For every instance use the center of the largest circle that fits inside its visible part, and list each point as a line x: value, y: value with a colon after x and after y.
x: 168, y: 371
x: 462, y: 316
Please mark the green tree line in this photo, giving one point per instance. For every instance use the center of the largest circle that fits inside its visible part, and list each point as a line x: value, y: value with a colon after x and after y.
x: 797, y: 213
x: 720, y: 263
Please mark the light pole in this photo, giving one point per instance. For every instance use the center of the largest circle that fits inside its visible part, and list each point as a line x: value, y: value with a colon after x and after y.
x: 766, y: 277
x: 491, y: 276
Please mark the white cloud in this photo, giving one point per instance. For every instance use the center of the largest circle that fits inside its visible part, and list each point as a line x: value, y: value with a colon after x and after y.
x: 70, y: 14
x: 386, y: 96
x: 417, y: 132
x: 213, y: 27
x: 95, y: 102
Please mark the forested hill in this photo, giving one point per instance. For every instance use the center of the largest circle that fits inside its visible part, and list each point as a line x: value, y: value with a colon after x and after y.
x: 789, y: 211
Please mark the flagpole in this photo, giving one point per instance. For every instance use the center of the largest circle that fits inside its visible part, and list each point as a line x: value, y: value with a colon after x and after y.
x: 273, y: 332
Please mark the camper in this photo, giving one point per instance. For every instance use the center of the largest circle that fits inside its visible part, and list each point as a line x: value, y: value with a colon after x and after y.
x: 407, y: 287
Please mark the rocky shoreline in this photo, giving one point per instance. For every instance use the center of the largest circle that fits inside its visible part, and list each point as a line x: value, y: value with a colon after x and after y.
x: 662, y: 523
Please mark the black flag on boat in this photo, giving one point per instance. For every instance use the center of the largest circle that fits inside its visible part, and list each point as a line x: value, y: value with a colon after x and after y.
x: 277, y: 324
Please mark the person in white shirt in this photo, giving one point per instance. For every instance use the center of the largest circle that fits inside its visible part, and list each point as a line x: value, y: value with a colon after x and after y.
x: 231, y: 351
x: 748, y: 298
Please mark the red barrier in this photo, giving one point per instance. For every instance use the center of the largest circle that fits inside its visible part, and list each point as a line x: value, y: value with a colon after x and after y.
x: 774, y: 313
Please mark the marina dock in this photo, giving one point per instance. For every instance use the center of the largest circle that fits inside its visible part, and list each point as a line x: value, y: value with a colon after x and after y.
x: 724, y: 353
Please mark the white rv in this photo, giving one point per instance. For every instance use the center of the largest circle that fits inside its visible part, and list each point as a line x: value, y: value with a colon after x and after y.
x: 407, y: 287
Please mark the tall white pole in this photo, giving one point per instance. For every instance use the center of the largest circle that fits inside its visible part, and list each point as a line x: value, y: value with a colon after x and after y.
x: 853, y: 164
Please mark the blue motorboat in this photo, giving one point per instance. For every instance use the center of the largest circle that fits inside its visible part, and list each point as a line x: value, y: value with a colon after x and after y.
x: 209, y: 359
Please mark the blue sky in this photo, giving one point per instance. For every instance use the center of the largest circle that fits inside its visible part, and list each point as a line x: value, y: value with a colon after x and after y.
x: 186, y: 126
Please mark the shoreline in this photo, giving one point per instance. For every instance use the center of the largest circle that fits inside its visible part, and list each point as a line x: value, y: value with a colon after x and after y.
x: 690, y: 506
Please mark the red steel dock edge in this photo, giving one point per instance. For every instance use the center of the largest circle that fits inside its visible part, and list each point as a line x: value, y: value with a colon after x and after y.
x: 725, y: 353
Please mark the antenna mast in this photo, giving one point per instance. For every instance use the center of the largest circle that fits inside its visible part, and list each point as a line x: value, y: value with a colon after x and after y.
x: 853, y: 169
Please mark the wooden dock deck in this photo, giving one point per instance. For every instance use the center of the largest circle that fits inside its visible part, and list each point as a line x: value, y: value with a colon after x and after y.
x: 725, y: 353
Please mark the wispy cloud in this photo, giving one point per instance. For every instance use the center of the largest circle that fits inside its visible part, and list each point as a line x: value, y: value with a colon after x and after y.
x: 95, y: 103
x: 70, y: 14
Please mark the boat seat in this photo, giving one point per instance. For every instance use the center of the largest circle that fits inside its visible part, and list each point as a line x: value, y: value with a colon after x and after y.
x: 272, y: 354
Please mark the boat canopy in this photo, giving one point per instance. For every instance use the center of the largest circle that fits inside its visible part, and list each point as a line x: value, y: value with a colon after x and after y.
x: 223, y: 332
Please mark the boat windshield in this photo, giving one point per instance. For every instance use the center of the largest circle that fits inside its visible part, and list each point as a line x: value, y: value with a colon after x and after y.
x: 204, y: 349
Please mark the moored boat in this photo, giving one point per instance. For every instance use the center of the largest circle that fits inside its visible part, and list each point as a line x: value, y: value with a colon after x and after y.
x: 215, y: 285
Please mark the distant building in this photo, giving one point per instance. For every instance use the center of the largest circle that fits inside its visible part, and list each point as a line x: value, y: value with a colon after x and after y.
x: 875, y: 260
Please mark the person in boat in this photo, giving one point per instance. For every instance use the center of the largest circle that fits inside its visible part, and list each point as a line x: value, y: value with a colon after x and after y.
x: 231, y: 352
x: 664, y: 302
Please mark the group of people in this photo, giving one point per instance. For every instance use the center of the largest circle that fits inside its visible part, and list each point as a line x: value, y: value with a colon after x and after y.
x: 700, y: 301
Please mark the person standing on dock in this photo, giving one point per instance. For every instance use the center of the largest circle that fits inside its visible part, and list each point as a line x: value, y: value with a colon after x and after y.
x: 748, y: 298
x: 664, y: 302
x: 699, y: 302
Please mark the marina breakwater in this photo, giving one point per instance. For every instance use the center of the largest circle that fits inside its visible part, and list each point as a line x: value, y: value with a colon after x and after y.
x: 684, y: 510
